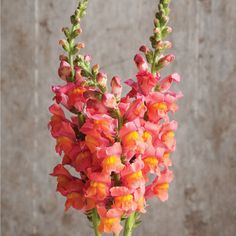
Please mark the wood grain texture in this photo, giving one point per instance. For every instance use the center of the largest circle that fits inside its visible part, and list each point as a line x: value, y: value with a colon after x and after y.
x: 202, y: 196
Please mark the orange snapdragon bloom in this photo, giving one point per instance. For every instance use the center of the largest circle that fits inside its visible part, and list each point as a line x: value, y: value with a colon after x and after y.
x: 110, y: 220
x: 98, y: 185
x: 111, y: 158
x: 132, y: 176
x: 123, y: 199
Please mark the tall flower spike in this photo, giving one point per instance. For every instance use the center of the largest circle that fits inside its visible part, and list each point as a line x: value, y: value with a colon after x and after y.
x: 114, y: 143
x: 160, y: 31
x: 69, y: 44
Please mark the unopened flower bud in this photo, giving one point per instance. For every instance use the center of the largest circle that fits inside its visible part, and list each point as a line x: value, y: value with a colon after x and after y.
x: 95, y: 69
x: 166, y: 60
x: 165, y: 19
x: 116, y: 86
x: 140, y: 62
x: 80, y: 45
x: 63, y: 58
x: 66, y: 31
x: 156, y: 31
x: 163, y: 45
x: 144, y: 49
x: 169, y: 29
x: 102, y: 79
x: 62, y: 42
x: 88, y: 58
x: 64, y: 70
x: 156, y: 23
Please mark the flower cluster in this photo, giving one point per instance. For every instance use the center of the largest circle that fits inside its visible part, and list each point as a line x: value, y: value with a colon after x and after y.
x: 118, y: 147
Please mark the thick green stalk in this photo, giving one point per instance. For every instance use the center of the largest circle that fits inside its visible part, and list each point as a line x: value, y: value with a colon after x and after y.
x: 129, y: 224
x: 96, y: 221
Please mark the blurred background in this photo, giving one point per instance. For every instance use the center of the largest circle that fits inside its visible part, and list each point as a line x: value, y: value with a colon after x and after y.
x: 203, y: 195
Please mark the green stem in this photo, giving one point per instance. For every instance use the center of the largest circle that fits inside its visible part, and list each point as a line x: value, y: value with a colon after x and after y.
x: 116, y: 234
x: 95, y: 220
x: 129, y: 224
x: 153, y: 70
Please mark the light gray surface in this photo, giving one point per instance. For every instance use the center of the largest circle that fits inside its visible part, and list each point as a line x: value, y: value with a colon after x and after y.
x: 203, y: 195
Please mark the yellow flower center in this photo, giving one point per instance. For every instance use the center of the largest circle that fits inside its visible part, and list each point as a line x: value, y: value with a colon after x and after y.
x: 77, y: 91
x: 95, y: 184
x: 131, y: 137
x: 110, y: 160
x: 151, y: 161
x: 164, y: 186
x: 125, y: 198
x: 169, y: 135
x: 109, y: 221
x: 135, y: 176
x: 160, y: 106
x: 146, y: 136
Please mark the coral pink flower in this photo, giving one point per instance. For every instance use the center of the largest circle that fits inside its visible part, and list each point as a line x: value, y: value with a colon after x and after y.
x: 61, y: 96
x: 132, y: 176
x: 131, y: 139
x: 166, y: 83
x: 111, y: 158
x: 110, y: 220
x: 76, y: 98
x: 99, y: 185
x: 136, y: 109
x: 167, y: 135
x: 157, y: 108
x: 160, y: 186
x: 140, y: 199
x: 95, y: 106
x: 135, y: 88
x: 146, y: 82
x: 123, y: 199
x: 109, y: 100
x: 151, y: 159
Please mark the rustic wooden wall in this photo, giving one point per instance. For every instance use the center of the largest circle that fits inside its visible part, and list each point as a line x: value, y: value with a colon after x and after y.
x: 203, y: 196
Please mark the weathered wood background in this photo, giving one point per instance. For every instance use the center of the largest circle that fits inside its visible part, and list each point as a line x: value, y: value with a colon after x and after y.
x: 203, y: 196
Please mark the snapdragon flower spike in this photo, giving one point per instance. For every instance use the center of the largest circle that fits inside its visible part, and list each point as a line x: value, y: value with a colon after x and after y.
x: 118, y: 146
